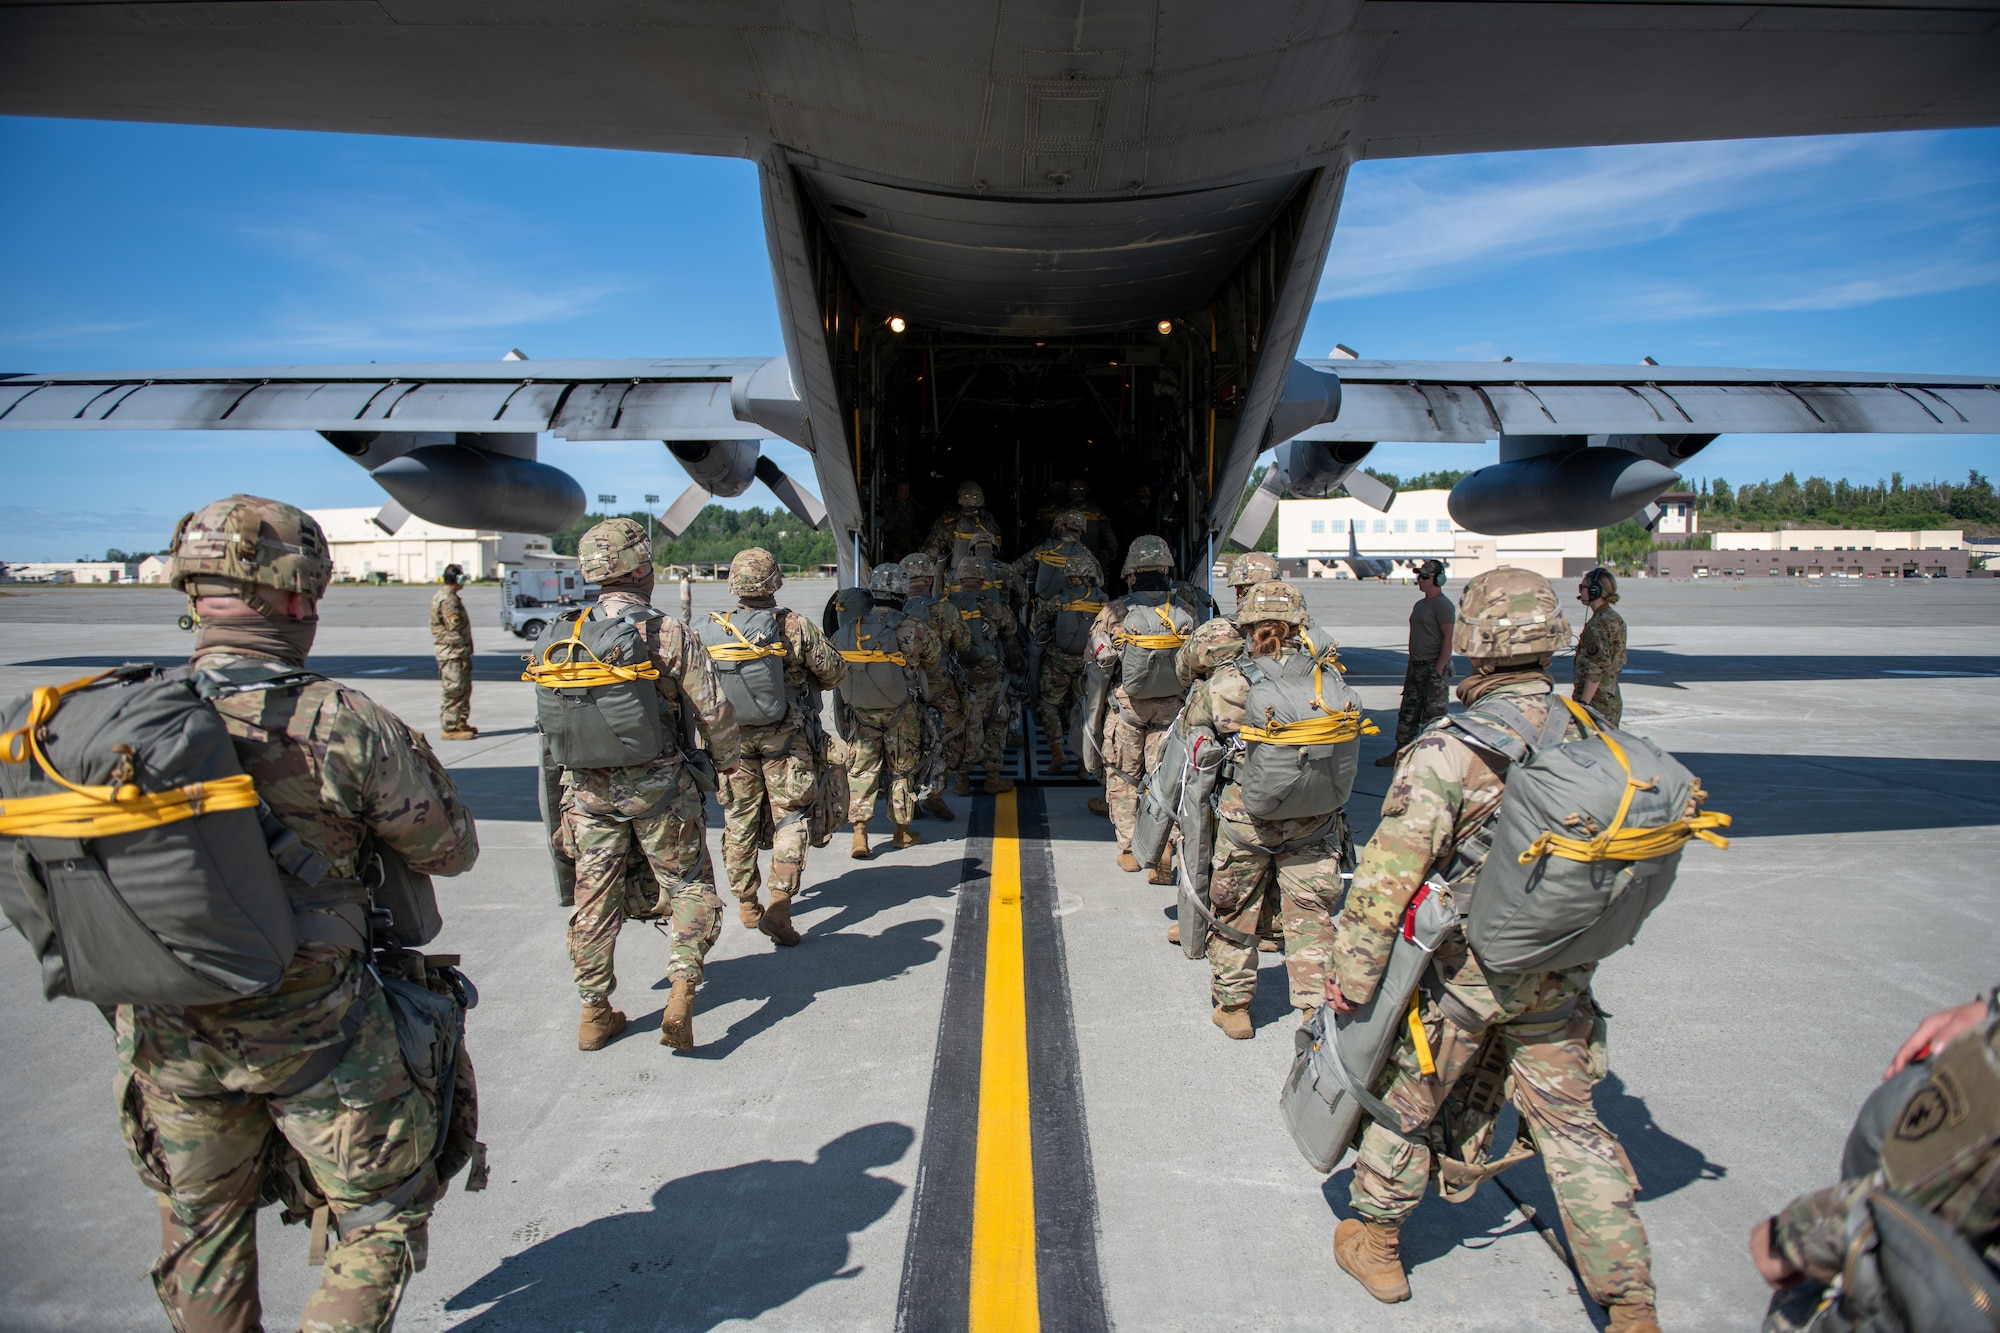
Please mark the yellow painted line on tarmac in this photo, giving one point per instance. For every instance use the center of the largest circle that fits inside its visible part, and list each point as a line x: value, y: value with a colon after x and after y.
x: 1004, y: 1293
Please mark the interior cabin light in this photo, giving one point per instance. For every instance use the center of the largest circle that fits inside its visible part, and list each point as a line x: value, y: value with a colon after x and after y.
x: 1165, y: 326
x: 896, y: 324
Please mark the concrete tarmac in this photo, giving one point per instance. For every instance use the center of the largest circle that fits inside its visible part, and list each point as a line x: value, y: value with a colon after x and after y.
x: 767, y: 1179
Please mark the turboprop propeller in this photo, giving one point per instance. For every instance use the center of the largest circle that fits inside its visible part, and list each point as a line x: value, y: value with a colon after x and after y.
x: 1310, y: 469
x: 726, y: 468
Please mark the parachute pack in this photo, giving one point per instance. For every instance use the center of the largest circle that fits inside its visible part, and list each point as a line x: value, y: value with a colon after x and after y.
x: 749, y: 654
x: 1070, y: 632
x: 1052, y: 569
x: 1153, y: 630
x: 984, y: 642
x: 1301, y: 742
x: 877, y: 675
x: 599, y: 705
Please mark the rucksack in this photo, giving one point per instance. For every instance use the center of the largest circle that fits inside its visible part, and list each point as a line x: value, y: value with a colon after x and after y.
x: 749, y: 652
x: 984, y: 643
x: 968, y: 530
x: 599, y: 705
x: 877, y: 675
x: 1052, y: 570
x: 1585, y: 843
x: 1152, y: 632
x: 1071, y: 631
x: 1301, y: 737
x: 142, y: 873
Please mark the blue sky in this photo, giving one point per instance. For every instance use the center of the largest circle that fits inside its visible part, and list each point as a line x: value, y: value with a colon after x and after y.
x: 139, y: 246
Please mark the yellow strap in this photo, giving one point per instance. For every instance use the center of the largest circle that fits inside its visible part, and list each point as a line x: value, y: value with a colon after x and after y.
x: 1618, y: 843
x: 99, y: 812
x: 1173, y: 638
x: 1052, y: 559
x: 742, y: 650
x: 1085, y: 607
x: 868, y: 656
x: 570, y: 674
x: 1329, y: 730
x: 1424, y: 1060
x: 968, y: 615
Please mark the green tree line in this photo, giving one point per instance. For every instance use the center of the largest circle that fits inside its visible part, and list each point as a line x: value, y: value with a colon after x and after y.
x: 1817, y: 502
x: 718, y: 533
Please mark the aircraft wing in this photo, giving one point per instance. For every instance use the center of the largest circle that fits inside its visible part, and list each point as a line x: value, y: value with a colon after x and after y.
x: 576, y: 400
x: 1467, y: 402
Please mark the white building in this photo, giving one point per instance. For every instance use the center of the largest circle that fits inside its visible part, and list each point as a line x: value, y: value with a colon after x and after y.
x: 419, y: 550
x: 1841, y: 539
x: 1419, y: 527
x: 1677, y: 515
x: 153, y: 569
x: 70, y: 571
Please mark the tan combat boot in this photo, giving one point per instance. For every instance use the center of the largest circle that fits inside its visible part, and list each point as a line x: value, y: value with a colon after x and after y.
x: 461, y: 733
x: 600, y: 1024
x: 777, y: 922
x: 1387, y: 761
x: 1174, y: 933
x: 749, y: 911
x: 1265, y: 944
x: 1098, y: 805
x: 961, y: 784
x: 1128, y: 863
x: 861, y: 852
x: 1234, y: 1020
x: 904, y: 836
x: 677, y: 1024
x: 995, y: 785
x: 937, y: 809
x: 1372, y: 1256
x: 1058, y: 757
x: 1633, y: 1318
x: 1163, y: 873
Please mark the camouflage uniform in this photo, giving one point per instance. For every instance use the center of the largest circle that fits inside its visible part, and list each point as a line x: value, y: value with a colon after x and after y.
x: 1217, y: 640
x: 1061, y: 682
x: 1135, y: 730
x: 986, y: 714
x: 952, y: 536
x: 1426, y: 697
x: 953, y: 639
x: 198, y: 1087
x: 1097, y: 533
x: 1302, y: 854
x: 653, y: 808
x: 451, y: 632
x: 1600, y: 656
x: 780, y: 771
x: 891, y: 735
x: 1443, y: 790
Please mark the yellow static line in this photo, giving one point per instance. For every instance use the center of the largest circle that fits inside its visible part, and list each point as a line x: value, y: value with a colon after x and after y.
x: 1004, y: 1298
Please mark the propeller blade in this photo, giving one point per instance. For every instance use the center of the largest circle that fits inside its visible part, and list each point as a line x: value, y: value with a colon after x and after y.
x: 1649, y: 517
x: 1371, y: 490
x: 391, y: 517
x: 683, y: 511
x: 794, y: 496
x: 1257, y: 513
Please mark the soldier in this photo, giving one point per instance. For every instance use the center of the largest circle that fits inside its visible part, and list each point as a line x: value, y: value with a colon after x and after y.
x: 902, y: 527
x: 952, y: 535
x: 887, y: 653
x: 1927, y: 1146
x: 201, y: 1088
x: 1138, y: 636
x: 1300, y: 856
x: 1219, y: 639
x: 1097, y: 533
x: 1444, y: 791
x: 773, y: 663
x: 1041, y: 570
x: 941, y: 680
x: 992, y: 648
x: 1062, y: 630
x: 655, y: 808
x: 451, y: 632
x: 1600, y: 648
x: 1428, y: 675
x: 1006, y: 579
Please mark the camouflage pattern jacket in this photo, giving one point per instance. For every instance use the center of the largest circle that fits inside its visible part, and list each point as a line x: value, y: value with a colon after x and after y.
x: 688, y: 680
x: 1105, y: 651
x: 955, y: 526
x: 812, y: 663
x: 450, y: 630
x: 1442, y: 792
x: 1600, y: 647
x: 952, y: 636
x: 338, y: 768
x: 1042, y: 628
x: 1212, y: 643
x: 994, y: 611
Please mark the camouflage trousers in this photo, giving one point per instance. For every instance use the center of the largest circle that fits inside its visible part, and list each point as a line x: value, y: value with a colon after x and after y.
x: 1552, y: 1068
x: 674, y: 841
x: 455, y: 679
x: 776, y: 781
x: 884, y: 737
x: 1607, y: 702
x: 1426, y: 695
x: 1058, y: 691
x: 1307, y: 900
x: 1133, y: 740
x: 951, y: 721
x: 195, y: 1097
x: 986, y: 722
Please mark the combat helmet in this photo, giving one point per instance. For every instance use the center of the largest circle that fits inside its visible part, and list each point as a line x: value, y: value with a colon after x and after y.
x: 976, y: 567
x: 614, y: 551
x: 1253, y: 568
x: 1510, y: 616
x: 1069, y: 524
x: 1148, y: 553
x: 1079, y: 491
x: 890, y: 579
x: 755, y: 573
x: 921, y: 566
x: 226, y: 547
x: 971, y: 495
x: 1083, y: 565
x: 1273, y: 599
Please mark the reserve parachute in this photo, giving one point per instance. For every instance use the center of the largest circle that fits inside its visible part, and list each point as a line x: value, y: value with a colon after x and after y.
x: 877, y: 675
x: 749, y: 655
x: 1153, y: 630
x: 599, y: 701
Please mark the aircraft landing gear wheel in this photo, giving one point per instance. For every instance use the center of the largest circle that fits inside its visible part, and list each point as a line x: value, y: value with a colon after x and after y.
x: 186, y: 622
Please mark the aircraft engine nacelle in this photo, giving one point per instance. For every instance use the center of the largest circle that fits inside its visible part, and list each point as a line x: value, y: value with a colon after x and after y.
x: 720, y: 467
x: 1316, y: 469
x: 1590, y: 487
x: 460, y: 486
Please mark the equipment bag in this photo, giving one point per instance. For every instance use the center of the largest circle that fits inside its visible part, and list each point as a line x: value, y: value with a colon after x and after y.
x: 1301, y: 739
x: 141, y: 872
x: 749, y: 654
x: 599, y: 704
x: 1071, y: 631
x: 1153, y: 631
x: 1052, y: 570
x: 877, y: 675
x: 1586, y: 842
x: 1194, y: 813
x: 1159, y: 803
x: 1329, y: 1089
x: 983, y: 641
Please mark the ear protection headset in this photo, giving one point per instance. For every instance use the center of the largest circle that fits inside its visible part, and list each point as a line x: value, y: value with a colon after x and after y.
x: 1593, y: 583
x: 1433, y: 570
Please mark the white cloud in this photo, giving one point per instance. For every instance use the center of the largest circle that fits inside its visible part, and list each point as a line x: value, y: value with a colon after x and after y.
x: 1840, y: 287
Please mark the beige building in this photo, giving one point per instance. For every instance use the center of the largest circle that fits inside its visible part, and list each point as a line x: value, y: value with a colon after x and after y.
x: 418, y: 551
x: 153, y: 569
x: 1417, y: 527
x: 71, y: 571
x: 1840, y: 539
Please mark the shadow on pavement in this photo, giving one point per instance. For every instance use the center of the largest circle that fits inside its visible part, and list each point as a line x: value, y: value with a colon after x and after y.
x: 871, y: 888
x: 501, y: 792
x: 1774, y: 795
x: 714, y: 1247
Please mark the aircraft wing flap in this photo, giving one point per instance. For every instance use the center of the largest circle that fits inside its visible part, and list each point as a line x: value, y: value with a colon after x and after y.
x: 684, y: 410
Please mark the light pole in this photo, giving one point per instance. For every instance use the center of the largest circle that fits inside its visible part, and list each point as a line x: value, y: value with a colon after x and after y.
x: 651, y: 500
